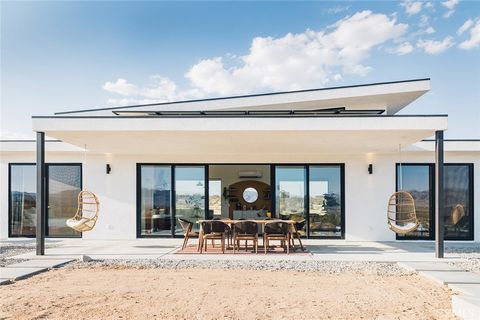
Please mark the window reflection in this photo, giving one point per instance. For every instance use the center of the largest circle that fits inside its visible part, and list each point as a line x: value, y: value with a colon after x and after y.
x: 189, y: 195
x: 64, y: 185
x: 215, y: 197
x: 325, y: 201
x: 418, y: 180
x: 155, y: 201
x: 415, y: 179
x: 458, y: 220
x: 22, y: 200
x: 290, y: 192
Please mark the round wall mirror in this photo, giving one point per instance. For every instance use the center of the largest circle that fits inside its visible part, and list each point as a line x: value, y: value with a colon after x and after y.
x: 250, y: 195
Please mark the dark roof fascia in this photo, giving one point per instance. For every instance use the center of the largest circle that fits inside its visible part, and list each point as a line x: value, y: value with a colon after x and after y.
x: 241, y: 96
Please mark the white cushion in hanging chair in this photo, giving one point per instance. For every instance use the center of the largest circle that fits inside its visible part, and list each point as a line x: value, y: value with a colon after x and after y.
x: 403, y: 229
x: 74, y: 223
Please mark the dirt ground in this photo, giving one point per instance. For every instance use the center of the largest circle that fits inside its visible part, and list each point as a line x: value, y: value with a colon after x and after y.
x: 126, y: 293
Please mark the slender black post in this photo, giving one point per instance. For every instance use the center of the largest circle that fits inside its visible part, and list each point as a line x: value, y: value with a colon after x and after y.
x: 41, y: 183
x: 439, y: 196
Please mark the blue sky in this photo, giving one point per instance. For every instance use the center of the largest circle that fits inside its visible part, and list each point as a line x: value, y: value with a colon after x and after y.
x: 59, y: 56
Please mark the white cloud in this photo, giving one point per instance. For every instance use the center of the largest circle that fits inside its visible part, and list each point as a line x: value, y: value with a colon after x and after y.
x: 337, y: 9
x: 450, y: 5
x: 474, y: 40
x: 424, y: 20
x: 448, y: 13
x: 273, y: 63
x: 429, y: 5
x: 465, y: 26
x: 403, y: 48
x: 412, y: 7
x: 293, y: 61
x: 430, y: 30
x: 121, y: 87
x: 435, y: 47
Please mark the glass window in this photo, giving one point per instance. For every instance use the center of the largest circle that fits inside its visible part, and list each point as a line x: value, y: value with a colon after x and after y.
x: 325, y: 201
x: 155, y: 200
x: 64, y: 185
x: 215, y: 197
x: 189, y: 195
x: 458, y: 202
x: 23, y: 216
x: 417, y: 180
x: 290, y: 185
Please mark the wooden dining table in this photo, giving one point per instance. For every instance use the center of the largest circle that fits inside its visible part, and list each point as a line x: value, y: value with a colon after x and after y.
x: 261, y: 222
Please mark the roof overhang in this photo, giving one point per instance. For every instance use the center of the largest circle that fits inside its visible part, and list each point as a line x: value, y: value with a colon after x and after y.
x: 240, y: 139
x: 390, y: 97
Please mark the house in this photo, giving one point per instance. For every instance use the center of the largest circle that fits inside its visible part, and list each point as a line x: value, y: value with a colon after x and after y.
x: 332, y: 156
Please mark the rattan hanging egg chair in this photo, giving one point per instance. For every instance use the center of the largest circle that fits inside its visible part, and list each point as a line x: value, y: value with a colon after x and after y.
x: 402, y: 217
x: 401, y: 213
x: 87, y: 208
x: 87, y: 212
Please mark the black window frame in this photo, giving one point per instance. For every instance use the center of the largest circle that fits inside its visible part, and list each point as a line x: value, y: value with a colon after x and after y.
x: 341, y: 166
x: 471, y: 235
x: 172, y: 196
x: 10, y: 165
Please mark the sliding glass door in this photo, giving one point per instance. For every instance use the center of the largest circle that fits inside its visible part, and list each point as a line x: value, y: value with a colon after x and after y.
x: 313, y: 193
x: 325, y: 201
x: 189, y: 195
x: 290, y: 192
x: 64, y: 182
x: 155, y: 200
x: 166, y: 193
x: 418, y: 180
x: 23, y: 200
x: 64, y: 185
x: 458, y: 201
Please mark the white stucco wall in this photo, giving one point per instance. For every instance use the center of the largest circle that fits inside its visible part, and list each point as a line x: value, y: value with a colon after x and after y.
x: 365, y: 195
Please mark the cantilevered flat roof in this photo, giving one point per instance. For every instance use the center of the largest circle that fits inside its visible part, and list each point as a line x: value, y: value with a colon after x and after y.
x: 383, y: 97
x: 240, y: 139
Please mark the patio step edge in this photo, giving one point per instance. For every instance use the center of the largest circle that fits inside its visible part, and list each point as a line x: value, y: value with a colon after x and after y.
x: 467, y: 308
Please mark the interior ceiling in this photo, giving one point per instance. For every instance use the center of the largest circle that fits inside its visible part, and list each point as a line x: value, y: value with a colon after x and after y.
x: 233, y: 143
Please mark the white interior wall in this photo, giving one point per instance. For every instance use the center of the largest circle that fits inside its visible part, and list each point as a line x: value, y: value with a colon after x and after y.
x: 229, y: 174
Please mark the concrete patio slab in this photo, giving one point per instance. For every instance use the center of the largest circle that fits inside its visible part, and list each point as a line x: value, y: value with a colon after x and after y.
x: 19, y: 273
x: 427, y: 266
x: 450, y: 277
x: 319, y: 250
x: 40, y: 263
x: 467, y: 308
x: 470, y: 289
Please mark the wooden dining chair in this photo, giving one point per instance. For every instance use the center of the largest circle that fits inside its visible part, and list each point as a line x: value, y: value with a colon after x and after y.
x: 245, y: 230
x: 277, y: 230
x: 299, y: 225
x: 213, y: 230
x: 187, y: 231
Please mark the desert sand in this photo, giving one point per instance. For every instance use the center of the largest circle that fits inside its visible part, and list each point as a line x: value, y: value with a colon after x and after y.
x: 128, y: 293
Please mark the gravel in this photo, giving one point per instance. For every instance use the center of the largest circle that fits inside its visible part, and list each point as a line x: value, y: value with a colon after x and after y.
x: 470, y: 255
x: 330, y: 267
x: 9, y: 249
